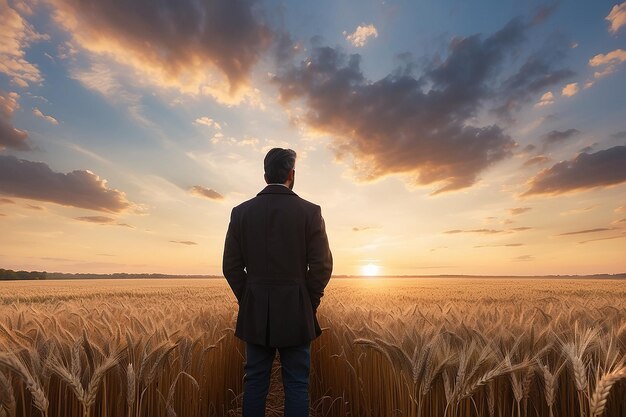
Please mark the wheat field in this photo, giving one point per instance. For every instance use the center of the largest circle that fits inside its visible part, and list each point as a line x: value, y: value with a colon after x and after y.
x: 390, y: 347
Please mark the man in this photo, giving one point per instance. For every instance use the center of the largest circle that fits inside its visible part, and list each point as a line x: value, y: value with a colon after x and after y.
x: 277, y: 261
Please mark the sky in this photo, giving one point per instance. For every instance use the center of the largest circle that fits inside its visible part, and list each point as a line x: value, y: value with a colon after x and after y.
x: 439, y: 137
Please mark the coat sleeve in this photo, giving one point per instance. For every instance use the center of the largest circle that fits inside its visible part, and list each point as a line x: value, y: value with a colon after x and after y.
x: 233, y: 263
x: 319, y: 259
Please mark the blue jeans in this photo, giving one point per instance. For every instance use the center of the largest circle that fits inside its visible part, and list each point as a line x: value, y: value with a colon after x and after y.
x: 295, y: 365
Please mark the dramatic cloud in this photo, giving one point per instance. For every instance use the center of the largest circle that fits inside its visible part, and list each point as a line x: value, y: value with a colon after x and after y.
x: 609, y: 62
x: 361, y: 35
x: 36, y: 181
x: 580, y: 232
x: 619, y: 135
x: 588, y: 170
x: 537, y: 74
x: 558, y: 136
x: 47, y: 118
x: 536, y: 160
x: 184, y: 242
x: 420, y: 127
x: 207, y: 121
x: 198, y: 47
x: 6, y: 201
x: 17, y: 35
x: 519, y: 210
x: 617, y: 17
x: 201, y: 191
x: 570, y: 90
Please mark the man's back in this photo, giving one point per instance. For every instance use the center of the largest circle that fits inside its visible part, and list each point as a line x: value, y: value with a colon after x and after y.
x: 280, y: 240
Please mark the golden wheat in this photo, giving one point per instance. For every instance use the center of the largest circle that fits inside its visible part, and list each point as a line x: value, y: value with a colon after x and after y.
x: 410, y: 347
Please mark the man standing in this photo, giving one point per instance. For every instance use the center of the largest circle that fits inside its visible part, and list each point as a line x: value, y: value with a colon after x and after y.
x: 277, y: 261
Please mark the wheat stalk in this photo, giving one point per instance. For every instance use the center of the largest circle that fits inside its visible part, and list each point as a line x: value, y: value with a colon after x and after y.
x: 7, y: 396
x: 33, y: 385
x: 603, y: 389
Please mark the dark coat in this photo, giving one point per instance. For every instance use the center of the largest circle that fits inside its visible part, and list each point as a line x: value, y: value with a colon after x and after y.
x: 277, y: 261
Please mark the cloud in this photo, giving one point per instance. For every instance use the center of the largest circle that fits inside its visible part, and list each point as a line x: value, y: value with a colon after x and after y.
x: 570, y: 90
x: 519, y: 210
x: 619, y: 135
x: 207, y: 121
x: 361, y: 35
x: 201, y: 191
x: 422, y: 128
x: 79, y: 188
x: 184, y: 242
x: 617, y: 17
x: 523, y: 258
x: 6, y: 201
x: 545, y: 100
x: 488, y: 231
x: 10, y: 137
x: 102, y: 220
x: 47, y: 118
x: 586, y: 171
x: 609, y: 61
x: 578, y: 210
x: 542, y: 13
x: 580, y: 232
x: 556, y: 136
x: 589, y: 148
x: 536, y: 160
x: 537, y: 74
x: 622, y: 236
x: 360, y: 229
x: 198, y: 47
x: 96, y: 219
x: 505, y: 245
x: 620, y: 209
x: 17, y: 35
x: 480, y: 231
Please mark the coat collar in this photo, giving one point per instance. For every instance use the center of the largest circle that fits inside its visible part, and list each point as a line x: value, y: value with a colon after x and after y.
x: 276, y: 189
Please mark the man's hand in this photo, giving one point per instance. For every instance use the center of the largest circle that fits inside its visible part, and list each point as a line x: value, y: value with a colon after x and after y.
x: 319, y: 259
x: 233, y: 263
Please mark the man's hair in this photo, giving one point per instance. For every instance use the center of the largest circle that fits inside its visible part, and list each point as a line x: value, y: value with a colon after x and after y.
x: 277, y: 163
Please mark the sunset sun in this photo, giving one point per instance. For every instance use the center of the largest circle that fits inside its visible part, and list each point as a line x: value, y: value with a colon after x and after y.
x: 370, y: 270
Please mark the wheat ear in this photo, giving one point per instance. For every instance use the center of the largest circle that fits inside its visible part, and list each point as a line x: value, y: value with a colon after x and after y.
x: 603, y: 389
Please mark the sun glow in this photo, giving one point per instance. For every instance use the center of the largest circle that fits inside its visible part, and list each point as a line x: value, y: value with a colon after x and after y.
x: 370, y: 270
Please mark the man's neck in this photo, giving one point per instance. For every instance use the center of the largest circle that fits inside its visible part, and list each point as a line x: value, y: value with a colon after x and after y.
x: 278, y: 183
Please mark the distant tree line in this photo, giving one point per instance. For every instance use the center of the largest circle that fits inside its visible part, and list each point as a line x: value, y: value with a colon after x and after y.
x: 9, y: 274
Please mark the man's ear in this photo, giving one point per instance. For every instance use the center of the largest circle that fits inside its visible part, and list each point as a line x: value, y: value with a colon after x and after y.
x: 265, y: 178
